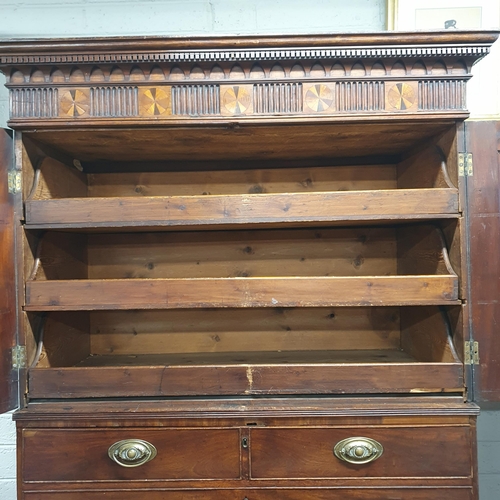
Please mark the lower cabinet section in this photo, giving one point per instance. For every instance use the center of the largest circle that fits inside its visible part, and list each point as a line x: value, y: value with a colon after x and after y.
x: 239, y: 450
x: 281, y: 494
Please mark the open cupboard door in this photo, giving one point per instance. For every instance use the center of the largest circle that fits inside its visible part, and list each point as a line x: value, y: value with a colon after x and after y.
x: 483, y: 193
x: 8, y: 322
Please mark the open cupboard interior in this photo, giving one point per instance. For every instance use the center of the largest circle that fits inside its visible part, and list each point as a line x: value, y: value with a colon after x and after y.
x: 252, y: 263
x: 255, y: 249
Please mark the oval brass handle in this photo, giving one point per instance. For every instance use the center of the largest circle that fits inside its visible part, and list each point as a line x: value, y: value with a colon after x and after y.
x: 131, y: 452
x: 358, y: 450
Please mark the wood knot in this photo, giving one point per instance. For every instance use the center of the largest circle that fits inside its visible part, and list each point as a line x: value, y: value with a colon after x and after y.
x: 358, y: 261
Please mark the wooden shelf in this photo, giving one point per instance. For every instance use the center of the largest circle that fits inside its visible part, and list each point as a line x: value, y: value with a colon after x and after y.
x: 240, y: 292
x: 216, y: 211
x: 407, y: 265
x: 309, y: 372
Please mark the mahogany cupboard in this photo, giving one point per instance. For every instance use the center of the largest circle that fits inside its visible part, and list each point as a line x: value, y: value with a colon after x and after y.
x: 247, y: 268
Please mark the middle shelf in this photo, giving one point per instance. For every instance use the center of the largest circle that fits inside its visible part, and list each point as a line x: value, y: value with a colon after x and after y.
x: 63, y: 197
x: 322, y: 267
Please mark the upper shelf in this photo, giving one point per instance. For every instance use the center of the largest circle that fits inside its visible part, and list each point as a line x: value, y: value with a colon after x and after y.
x: 259, y: 189
x: 140, y: 81
x: 237, y: 210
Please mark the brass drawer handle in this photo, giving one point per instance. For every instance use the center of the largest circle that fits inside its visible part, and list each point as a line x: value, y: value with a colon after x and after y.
x: 358, y: 450
x: 131, y: 452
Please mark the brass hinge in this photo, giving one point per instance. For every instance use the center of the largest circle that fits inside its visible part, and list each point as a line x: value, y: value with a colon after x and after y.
x: 471, y: 353
x: 19, y: 356
x: 465, y: 165
x: 14, y: 182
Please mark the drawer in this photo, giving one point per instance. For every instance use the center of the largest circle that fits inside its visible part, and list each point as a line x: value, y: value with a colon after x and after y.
x: 82, y: 455
x: 281, y: 494
x: 407, y: 452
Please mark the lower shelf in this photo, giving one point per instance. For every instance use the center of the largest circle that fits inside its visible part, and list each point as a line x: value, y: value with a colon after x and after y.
x: 250, y: 352
x: 310, y: 372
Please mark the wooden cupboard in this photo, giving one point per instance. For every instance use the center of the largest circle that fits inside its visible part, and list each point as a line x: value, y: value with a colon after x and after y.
x: 246, y: 268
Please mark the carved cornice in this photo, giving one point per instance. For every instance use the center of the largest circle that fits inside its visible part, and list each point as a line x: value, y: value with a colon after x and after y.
x: 159, y: 49
x: 166, y: 78
x: 476, y: 51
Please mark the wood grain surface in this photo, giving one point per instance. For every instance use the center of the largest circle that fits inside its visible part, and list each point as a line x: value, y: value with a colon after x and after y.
x: 383, y: 373
x: 218, y: 210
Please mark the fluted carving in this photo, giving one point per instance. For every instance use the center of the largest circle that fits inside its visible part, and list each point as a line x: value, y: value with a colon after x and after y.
x: 195, y: 100
x: 114, y: 101
x: 34, y: 103
x: 277, y: 98
x: 441, y: 95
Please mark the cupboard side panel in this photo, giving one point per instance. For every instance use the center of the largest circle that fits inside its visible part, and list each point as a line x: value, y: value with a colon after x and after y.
x: 484, y: 216
x: 8, y: 376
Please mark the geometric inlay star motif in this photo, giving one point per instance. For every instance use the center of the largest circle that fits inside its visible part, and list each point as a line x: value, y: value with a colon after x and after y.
x: 155, y: 101
x: 236, y: 100
x: 319, y: 98
x: 401, y: 96
x: 74, y: 102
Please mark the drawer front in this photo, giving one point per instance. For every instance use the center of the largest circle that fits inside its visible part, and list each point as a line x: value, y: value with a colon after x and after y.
x: 407, y: 452
x: 80, y: 454
x: 281, y: 494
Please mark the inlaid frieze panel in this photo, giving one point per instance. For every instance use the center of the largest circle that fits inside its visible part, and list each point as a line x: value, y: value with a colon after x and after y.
x: 155, y: 101
x: 236, y: 100
x: 284, y: 98
x: 74, y: 103
x: 318, y: 98
x: 401, y: 96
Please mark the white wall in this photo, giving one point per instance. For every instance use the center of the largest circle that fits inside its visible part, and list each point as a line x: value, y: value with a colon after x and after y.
x: 33, y: 18
x: 7, y: 458
x: 483, y: 91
